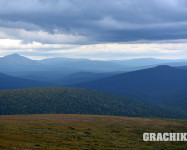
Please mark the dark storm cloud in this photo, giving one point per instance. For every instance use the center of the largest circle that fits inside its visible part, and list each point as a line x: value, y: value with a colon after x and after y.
x: 99, y: 20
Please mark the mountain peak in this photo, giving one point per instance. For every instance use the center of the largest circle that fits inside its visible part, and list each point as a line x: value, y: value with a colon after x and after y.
x: 166, y: 67
x: 163, y: 68
x: 14, y: 55
x: 16, y: 59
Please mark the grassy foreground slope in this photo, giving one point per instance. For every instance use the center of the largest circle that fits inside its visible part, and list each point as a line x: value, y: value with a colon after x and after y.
x: 75, y: 101
x: 85, y: 132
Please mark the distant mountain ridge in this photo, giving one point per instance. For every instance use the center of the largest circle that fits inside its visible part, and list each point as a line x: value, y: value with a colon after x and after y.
x: 53, y: 68
x: 16, y: 58
x: 16, y: 62
x: 10, y: 82
x: 164, y: 86
x: 142, y: 62
x: 83, y: 64
x: 67, y: 70
x: 153, y: 79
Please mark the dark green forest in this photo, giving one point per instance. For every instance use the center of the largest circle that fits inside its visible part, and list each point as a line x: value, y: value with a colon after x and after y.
x: 58, y: 100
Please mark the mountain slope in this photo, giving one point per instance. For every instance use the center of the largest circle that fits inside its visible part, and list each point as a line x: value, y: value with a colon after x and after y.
x: 16, y: 59
x: 163, y: 85
x: 10, y: 82
x: 16, y: 63
x: 157, y: 79
x: 177, y: 64
x: 76, y: 101
x: 183, y: 67
x: 81, y: 77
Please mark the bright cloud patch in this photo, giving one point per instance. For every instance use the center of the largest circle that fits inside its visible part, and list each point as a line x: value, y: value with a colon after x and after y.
x: 96, y: 51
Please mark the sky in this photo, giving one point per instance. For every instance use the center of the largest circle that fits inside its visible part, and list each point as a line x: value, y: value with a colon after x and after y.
x: 94, y: 29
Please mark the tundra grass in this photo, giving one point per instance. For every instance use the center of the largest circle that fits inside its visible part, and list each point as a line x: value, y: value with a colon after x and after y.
x: 85, y: 132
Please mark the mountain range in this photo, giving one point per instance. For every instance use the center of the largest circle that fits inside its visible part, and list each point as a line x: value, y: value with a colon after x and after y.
x: 163, y: 86
x: 53, y: 69
x: 18, y: 65
x: 162, y: 78
x: 159, y: 86
x: 142, y: 62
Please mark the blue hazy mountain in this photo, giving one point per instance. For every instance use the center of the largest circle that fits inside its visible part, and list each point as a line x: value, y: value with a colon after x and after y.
x: 83, y: 64
x: 66, y: 69
x: 10, y: 82
x: 15, y: 62
x: 160, y: 78
x: 52, y: 69
x: 16, y: 59
x: 183, y: 67
x: 22, y: 67
x: 162, y: 85
x: 80, y: 77
x: 177, y: 64
x: 144, y: 62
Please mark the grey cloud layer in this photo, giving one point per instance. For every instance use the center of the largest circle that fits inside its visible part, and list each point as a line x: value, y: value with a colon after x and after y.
x: 99, y: 20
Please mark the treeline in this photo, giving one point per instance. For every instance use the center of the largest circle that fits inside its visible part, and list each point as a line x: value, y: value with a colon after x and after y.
x: 76, y: 101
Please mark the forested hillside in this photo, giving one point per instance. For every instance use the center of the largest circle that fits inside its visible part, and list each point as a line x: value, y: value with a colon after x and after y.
x: 75, y: 101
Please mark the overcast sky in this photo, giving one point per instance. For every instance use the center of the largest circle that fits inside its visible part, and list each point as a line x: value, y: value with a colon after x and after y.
x: 96, y: 29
